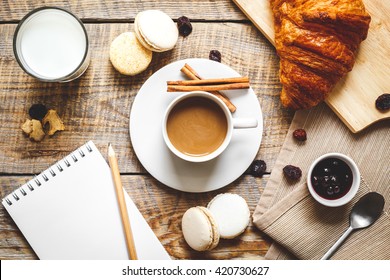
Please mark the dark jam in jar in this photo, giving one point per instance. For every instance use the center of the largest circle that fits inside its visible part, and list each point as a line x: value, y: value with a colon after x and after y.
x: 331, y: 178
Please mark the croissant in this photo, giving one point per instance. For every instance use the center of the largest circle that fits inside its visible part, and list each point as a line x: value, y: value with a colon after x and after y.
x: 316, y: 41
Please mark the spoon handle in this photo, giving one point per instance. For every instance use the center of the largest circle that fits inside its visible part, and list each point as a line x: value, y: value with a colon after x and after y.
x: 337, y: 244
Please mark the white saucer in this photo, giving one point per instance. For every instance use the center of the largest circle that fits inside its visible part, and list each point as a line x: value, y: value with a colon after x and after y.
x: 146, y: 132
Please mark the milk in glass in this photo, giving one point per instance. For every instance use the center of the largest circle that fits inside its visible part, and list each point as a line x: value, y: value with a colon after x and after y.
x: 51, y: 44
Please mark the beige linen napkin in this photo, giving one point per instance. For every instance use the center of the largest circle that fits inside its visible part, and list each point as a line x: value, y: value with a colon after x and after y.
x: 299, y: 225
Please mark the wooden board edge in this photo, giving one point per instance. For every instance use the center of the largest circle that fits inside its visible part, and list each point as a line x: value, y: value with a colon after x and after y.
x: 250, y: 13
x: 358, y: 127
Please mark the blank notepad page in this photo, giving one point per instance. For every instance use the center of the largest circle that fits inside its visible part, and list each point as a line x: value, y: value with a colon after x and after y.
x: 70, y: 211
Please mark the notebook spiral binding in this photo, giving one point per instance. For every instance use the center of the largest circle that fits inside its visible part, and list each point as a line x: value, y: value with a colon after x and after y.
x: 49, y: 173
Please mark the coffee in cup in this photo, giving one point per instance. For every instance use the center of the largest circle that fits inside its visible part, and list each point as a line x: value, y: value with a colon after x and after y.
x: 198, y: 126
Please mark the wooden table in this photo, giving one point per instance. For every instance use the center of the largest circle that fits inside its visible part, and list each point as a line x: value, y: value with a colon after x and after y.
x: 97, y: 107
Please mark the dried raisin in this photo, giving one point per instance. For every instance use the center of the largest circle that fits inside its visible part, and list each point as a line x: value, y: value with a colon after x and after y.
x: 383, y: 102
x: 215, y: 55
x: 184, y: 25
x: 37, y: 111
x: 258, y: 168
x: 292, y: 172
x: 300, y: 134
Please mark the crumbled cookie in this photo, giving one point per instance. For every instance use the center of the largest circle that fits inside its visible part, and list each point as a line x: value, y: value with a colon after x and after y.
x: 27, y: 127
x: 33, y: 128
x: 55, y: 123
x: 37, y: 131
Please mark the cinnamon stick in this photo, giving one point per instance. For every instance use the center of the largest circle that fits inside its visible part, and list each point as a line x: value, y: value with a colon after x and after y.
x: 191, y: 73
x: 174, y: 88
x: 210, y: 81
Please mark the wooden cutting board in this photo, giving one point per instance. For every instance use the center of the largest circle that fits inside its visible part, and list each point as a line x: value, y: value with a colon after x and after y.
x: 353, y: 99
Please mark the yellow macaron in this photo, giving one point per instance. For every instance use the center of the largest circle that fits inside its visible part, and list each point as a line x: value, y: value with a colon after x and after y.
x: 128, y: 55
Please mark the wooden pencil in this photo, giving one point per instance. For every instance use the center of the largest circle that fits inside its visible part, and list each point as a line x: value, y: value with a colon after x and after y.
x: 122, y: 203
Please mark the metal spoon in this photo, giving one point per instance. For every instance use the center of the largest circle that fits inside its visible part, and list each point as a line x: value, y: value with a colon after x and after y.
x: 363, y: 214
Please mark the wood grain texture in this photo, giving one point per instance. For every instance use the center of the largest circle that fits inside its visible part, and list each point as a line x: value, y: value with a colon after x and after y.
x: 126, y: 10
x: 259, y: 13
x: 353, y: 99
x: 97, y: 105
x: 162, y: 207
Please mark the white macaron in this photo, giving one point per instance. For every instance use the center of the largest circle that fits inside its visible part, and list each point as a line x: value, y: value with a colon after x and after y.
x: 156, y: 30
x: 199, y: 229
x: 232, y: 214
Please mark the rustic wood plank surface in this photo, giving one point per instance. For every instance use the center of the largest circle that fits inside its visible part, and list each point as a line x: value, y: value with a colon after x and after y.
x: 125, y: 10
x: 163, y: 208
x: 97, y: 107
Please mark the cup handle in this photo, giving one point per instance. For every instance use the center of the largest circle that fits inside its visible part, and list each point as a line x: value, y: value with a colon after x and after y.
x: 244, y: 123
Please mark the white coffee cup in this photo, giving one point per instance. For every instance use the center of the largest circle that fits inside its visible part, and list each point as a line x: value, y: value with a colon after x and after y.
x: 232, y: 123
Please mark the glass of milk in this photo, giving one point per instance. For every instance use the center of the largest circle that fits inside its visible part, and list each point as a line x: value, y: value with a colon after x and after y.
x: 51, y: 44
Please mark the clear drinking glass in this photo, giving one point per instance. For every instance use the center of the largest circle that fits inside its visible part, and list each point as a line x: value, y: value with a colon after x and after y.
x: 51, y: 44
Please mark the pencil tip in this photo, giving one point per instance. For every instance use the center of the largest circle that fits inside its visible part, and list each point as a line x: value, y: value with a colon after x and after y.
x: 110, y: 150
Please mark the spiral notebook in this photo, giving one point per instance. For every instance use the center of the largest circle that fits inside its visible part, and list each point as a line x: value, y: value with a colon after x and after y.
x: 70, y: 211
